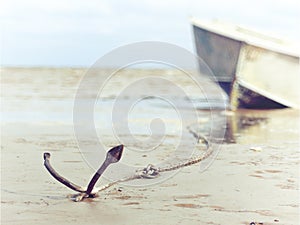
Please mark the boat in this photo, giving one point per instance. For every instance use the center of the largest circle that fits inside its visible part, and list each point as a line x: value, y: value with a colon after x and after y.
x: 255, y: 70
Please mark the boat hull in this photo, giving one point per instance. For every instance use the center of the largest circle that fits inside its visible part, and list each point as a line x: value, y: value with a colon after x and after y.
x: 252, y: 75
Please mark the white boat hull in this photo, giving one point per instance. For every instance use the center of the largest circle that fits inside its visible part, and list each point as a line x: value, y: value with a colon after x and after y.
x: 245, y: 63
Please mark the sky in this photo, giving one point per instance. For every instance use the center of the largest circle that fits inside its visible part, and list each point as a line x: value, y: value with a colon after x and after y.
x: 77, y: 32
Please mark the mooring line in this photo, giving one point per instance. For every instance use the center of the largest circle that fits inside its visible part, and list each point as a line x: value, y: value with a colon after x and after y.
x: 113, y: 156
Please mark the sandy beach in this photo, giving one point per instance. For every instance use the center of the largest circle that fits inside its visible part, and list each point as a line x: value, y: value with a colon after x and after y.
x: 255, y: 177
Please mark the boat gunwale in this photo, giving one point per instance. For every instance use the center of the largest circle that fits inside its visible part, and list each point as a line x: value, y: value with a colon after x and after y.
x: 263, y: 43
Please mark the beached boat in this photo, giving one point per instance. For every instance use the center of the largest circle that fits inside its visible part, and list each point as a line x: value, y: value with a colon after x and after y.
x: 255, y: 70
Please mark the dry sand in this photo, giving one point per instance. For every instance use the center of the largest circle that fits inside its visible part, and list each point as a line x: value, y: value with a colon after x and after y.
x: 254, y: 179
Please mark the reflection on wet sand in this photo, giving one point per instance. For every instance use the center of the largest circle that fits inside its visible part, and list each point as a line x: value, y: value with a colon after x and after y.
x: 239, y: 124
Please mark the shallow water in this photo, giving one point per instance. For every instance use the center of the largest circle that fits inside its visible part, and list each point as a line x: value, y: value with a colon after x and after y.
x: 47, y: 96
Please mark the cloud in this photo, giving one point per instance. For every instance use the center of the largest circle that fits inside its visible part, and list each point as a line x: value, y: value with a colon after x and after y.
x: 32, y: 16
x: 85, y: 25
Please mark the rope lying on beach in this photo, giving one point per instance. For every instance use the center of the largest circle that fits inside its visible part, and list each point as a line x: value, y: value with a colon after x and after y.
x: 113, y: 156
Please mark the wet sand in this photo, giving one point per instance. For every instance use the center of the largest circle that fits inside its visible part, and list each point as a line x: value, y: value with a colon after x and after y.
x: 255, y: 176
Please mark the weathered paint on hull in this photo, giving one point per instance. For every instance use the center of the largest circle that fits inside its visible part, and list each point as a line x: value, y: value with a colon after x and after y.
x: 242, y: 97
